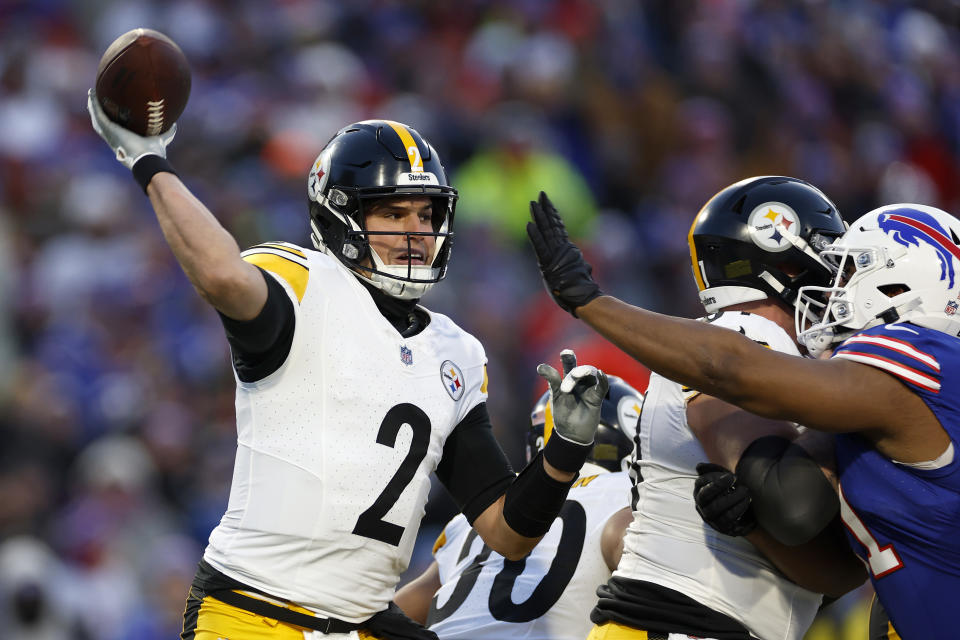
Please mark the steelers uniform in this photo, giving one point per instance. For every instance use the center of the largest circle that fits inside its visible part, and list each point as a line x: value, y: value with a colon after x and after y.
x: 677, y: 574
x: 336, y: 443
x: 546, y: 596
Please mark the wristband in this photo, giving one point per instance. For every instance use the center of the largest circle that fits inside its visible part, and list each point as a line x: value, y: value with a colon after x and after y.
x: 534, y: 500
x: 148, y: 166
x: 566, y: 455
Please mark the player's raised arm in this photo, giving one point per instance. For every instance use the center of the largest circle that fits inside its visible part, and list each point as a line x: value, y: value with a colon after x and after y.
x: 206, y: 251
x: 730, y: 366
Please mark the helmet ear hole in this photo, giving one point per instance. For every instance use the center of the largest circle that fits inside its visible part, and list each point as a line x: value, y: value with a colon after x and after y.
x: 891, y: 290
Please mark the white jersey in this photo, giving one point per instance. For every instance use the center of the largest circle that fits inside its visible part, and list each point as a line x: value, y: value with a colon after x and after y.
x: 546, y: 596
x: 335, y: 448
x: 669, y: 544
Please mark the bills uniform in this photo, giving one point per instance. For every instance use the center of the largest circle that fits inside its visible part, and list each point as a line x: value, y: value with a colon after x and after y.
x: 904, y: 520
x: 546, y: 596
x: 669, y: 550
x: 311, y: 520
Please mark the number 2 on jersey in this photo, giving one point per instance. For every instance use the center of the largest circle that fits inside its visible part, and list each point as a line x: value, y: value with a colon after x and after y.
x: 371, y: 524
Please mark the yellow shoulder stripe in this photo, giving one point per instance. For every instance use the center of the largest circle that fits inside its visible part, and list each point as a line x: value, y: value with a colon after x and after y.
x: 294, y: 273
x: 441, y: 540
x: 281, y: 247
x: 483, y: 385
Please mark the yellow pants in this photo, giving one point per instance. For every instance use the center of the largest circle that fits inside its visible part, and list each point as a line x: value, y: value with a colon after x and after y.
x: 614, y: 631
x: 220, y: 621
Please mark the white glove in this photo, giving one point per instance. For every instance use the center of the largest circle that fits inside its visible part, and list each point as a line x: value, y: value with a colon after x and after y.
x: 576, y: 399
x: 128, y: 146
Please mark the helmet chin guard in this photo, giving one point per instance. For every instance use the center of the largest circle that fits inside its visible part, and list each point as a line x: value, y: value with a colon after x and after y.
x: 897, y: 263
x: 373, y: 160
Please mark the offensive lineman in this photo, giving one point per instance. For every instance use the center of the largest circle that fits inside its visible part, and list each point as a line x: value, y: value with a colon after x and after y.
x: 888, y: 391
x: 676, y: 575
x: 472, y: 593
x: 349, y: 394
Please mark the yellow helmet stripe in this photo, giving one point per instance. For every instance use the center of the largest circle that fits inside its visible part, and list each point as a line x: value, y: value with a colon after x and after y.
x: 697, y: 274
x: 548, y: 421
x: 413, y: 152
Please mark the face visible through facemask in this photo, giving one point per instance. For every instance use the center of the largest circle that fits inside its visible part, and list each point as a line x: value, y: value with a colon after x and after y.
x: 399, y: 216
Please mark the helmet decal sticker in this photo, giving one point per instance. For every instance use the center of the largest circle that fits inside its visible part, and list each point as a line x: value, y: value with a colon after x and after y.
x: 910, y: 226
x: 452, y: 379
x: 766, y: 223
x: 413, y: 152
x: 628, y: 413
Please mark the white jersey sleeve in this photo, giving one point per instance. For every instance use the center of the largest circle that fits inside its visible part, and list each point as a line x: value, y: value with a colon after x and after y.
x: 546, y: 596
x: 335, y: 447
x: 669, y: 544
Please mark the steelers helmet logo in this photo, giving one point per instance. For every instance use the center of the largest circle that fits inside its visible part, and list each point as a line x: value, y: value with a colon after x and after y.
x: 768, y: 224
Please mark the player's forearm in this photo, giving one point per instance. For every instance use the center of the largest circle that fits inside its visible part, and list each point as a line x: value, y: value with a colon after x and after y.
x: 824, y: 565
x: 714, y: 360
x: 207, y: 253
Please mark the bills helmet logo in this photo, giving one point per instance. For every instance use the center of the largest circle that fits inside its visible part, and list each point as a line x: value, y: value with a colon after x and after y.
x: 911, y: 227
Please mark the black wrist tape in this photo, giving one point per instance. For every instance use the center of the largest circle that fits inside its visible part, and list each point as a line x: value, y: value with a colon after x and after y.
x: 792, y: 499
x: 566, y: 455
x: 147, y: 167
x: 534, y: 500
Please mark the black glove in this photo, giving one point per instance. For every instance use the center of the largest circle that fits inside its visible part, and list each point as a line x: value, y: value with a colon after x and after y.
x: 565, y: 273
x: 722, y: 502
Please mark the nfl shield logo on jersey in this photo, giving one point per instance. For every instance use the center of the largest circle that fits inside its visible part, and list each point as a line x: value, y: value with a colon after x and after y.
x: 452, y: 379
x: 406, y: 355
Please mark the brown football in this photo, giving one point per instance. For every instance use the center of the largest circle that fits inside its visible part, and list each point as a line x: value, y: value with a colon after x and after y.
x: 143, y: 81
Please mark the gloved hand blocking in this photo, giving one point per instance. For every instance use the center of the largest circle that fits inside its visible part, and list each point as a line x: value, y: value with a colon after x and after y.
x: 575, y: 401
x: 723, y: 503
x: 565, y: 272
x: 128, y: 146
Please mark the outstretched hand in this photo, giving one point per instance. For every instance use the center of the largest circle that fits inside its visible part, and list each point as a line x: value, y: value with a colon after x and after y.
x: 566, y: 274
x: 576, y: 399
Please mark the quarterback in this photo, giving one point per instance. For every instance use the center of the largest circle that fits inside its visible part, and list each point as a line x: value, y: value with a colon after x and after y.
x: 349, y: 394
x: 888, y: 390
x: 470, y: 592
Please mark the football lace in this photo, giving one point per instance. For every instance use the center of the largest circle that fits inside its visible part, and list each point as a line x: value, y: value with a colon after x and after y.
x: 154, y: 116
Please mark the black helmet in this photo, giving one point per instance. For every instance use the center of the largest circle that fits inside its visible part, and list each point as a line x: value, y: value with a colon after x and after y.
x: 613, y: 442
x: 749, y: 237
x: 374, y: 159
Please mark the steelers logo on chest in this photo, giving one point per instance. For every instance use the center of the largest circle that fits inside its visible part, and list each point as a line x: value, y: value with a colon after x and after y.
x: 771, y: 225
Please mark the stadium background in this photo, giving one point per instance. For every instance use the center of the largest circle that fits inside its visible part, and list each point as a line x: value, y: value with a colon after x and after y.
x: 116, y: 421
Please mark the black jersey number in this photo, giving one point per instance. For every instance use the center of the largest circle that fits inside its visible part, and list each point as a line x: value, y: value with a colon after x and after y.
x: 371, y: 524
x: 545, y: 594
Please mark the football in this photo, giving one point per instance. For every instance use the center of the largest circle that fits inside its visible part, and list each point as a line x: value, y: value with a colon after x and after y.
x: 143, y: 81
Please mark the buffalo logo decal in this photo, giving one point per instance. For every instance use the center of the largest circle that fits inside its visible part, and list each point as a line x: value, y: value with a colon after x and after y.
x: 910, y: 226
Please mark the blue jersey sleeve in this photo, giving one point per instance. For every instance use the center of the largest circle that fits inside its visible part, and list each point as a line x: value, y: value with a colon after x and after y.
x: 907, y: 352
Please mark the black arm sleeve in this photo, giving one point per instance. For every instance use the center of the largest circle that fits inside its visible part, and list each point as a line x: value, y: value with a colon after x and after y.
x: 474, y: 468
x: 792, y: 499
x: 261, y: 345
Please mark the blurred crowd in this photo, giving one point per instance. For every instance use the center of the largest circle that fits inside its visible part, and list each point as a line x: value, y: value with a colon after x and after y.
x: 117, y: 429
